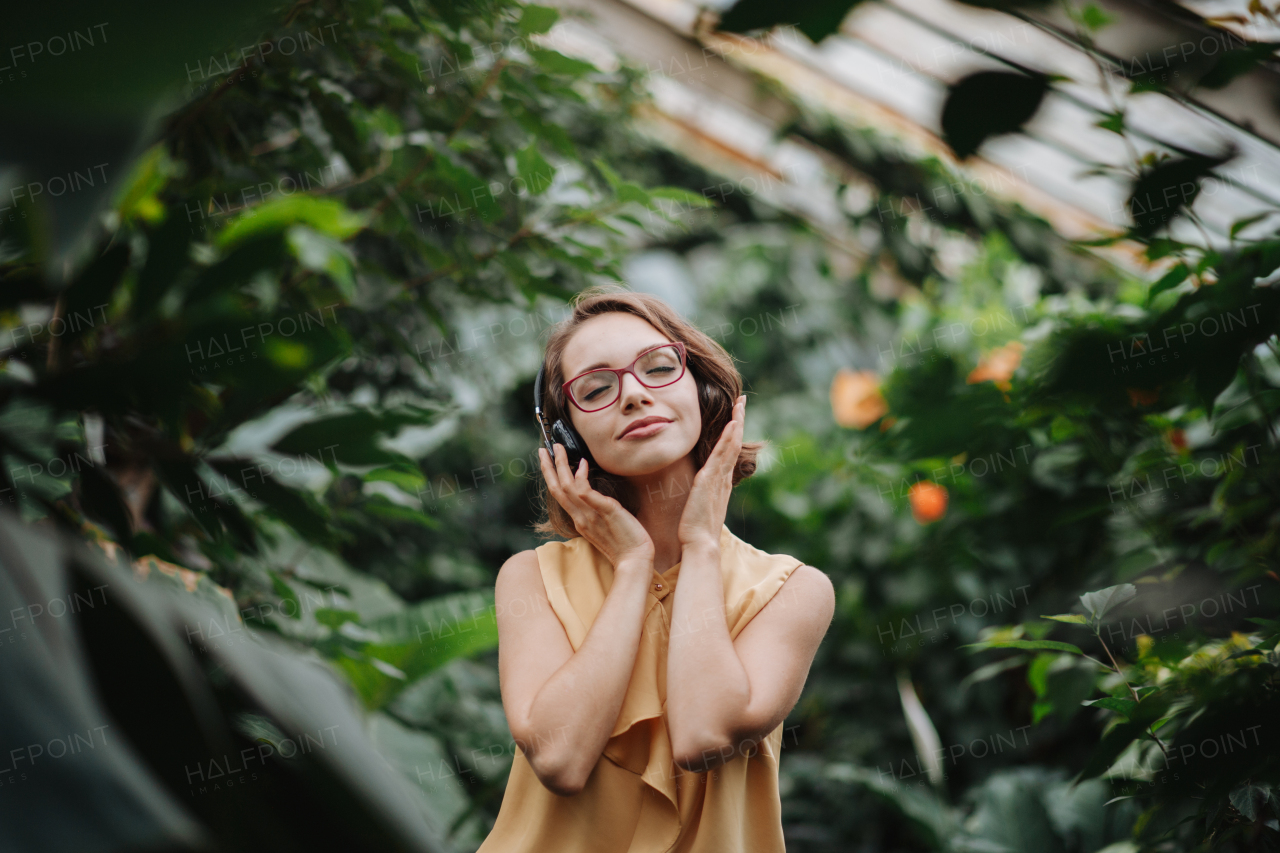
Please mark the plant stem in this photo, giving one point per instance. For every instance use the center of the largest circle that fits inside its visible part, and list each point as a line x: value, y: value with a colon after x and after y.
x: 1136, y: 698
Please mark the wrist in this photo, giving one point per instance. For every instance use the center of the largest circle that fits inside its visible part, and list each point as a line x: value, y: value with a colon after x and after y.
x: 703, y: 546
x: 640, y: 563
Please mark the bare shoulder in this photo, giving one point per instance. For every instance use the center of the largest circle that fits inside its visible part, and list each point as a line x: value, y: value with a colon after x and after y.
x: 809, y: 594
x: 519, y: 573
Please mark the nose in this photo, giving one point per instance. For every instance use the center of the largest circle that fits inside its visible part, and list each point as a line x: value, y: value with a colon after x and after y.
x: 632, y: 394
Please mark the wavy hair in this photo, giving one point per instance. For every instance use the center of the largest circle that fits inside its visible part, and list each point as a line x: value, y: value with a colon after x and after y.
x: 719, y: 385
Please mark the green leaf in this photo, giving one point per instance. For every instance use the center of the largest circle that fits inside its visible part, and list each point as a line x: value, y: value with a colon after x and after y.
x: 629, y: 192
x: 1241, y: 224
x: 326, y: 215
x: 334, y: 618
x: 1073, y: 618
x: 1249, y: 800
x: 1094, y: 18
x: 681, y: 195
x: 1102, y: 601
x: 1041, y: 645
x: 419, y: 641
x: 465, y: 191
x: 557, y: 63
x: 1038, y: 674
x: 1112, y: 703
x: 537, y: 19
x: 991, y: 670
x: 296, y: 508
x: 321, y: 253
x: 406, y: 6
x: 1234, y: 63
x: 989, y: 103
x: 535, y: 171
x: 1113, y: 122
x: 350, y: 438
x: 406, y: 478
x: 817, y: 19
x: 1162, y: 192
x: 614, y: 179
x: 1113, y: 743
x: 286, y: 593
x: 379, y: 506
x: 1169, y: 280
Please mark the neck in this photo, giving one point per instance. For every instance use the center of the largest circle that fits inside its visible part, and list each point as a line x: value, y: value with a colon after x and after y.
x: 661, y: 498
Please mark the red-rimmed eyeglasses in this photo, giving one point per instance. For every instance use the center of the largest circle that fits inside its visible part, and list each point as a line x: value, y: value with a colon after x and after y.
x: 600, y: 388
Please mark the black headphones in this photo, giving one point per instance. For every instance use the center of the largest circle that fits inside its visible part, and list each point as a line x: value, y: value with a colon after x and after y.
x: 561, y: 431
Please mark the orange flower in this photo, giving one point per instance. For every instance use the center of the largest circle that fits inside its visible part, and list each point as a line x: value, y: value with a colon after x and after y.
x: 855, y: 398
x: 998, y: 365
x: 1178, y: 438
x: 928, y: 501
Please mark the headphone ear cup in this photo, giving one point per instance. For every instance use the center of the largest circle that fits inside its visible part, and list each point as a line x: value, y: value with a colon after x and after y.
x: 575, y: 448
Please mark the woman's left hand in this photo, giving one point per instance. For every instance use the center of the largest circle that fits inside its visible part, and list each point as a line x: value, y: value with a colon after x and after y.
x: 708, y: 501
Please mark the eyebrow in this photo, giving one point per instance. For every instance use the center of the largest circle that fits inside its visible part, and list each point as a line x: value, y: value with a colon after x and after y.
x: 601, y: 364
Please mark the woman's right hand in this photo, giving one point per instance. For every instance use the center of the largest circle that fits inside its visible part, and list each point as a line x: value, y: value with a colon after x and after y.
x: 600, y: 520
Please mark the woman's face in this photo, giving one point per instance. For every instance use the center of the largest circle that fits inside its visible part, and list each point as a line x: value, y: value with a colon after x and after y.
x: 614, y: 340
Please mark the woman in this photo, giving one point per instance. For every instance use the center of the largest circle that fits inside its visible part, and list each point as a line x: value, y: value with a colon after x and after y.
x: 647, y: 663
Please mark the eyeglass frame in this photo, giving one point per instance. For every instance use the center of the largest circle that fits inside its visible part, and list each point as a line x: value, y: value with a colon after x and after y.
x: 684, y: 368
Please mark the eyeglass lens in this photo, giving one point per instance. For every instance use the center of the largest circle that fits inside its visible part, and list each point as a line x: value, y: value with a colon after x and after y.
x: 600, y: 388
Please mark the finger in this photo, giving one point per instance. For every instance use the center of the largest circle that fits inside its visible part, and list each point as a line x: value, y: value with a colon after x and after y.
x: 725, y: 450
x: 548, y: 468
x: 562, y: 465
x: 571, y: 486
x: 587, y: 494
x: 603, y: 504
x: 724, y: 458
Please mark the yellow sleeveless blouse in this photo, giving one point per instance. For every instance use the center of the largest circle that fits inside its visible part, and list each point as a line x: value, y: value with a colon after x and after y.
x: 636, y: 800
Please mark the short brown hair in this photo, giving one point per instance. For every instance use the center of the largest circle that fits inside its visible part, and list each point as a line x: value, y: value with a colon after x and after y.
x: 719, y: 386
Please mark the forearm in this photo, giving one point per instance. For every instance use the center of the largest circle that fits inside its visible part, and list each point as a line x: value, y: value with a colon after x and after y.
x: 707, y: 685
x: 573, y: 715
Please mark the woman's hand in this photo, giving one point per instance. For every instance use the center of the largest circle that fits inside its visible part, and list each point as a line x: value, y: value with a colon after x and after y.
x: 601, y: 520
x: 708, y: 500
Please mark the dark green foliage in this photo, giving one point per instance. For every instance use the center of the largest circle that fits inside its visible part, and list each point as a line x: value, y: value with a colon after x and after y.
x: 817, y: 19
x: 987, y: 104
x: 1162, y: 191
x: 315, y: 404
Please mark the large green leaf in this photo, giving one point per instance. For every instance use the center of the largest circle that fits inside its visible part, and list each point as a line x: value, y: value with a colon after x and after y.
x: 245, y: 745
x: 988, y: 104
x: 418, y: 641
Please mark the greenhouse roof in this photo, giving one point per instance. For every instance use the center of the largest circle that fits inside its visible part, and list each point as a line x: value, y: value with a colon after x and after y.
x: 889, y: 67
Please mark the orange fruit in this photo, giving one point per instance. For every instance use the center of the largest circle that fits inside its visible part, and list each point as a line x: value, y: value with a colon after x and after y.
x: 928, y: 501
x: 998, y: 365
x: 856, y: 401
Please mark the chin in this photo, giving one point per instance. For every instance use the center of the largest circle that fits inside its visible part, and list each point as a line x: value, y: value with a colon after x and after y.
x: 643, y: 461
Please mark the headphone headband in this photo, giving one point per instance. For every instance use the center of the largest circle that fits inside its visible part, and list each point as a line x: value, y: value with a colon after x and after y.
x: 561, y: 432
x: 537, y: 406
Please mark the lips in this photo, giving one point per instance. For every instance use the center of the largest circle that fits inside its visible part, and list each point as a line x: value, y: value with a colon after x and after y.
x: 645, y: 426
